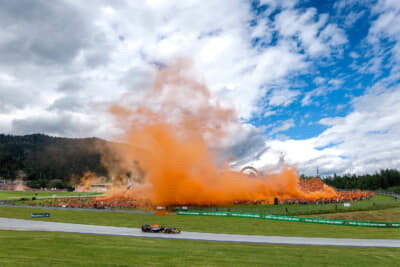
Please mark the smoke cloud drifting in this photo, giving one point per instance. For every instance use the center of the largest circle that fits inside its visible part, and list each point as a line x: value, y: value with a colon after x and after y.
x: 172, y: 137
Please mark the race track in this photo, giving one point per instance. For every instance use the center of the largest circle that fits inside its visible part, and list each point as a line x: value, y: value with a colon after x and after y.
x: 30, y: 225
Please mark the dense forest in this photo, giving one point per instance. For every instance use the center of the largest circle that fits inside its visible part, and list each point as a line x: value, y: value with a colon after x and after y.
x: 388, y: 180
x: 45, y: 161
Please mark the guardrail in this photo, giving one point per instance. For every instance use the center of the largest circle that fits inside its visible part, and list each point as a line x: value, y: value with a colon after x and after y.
x: 389, y: 194
x: 292, y: 219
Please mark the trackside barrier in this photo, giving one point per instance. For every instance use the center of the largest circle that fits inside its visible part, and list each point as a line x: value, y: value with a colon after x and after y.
x: 246, y: 215
x: 282, y: 218
x: 323, y: 221
x: 369, y: 224
x: 220, y: 214
x: 292, y: 219
x: 40, y: 215
x: 197, y: 213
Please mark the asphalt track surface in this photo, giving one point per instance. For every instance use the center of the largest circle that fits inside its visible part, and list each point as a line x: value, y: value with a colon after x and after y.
x: 30, y: 225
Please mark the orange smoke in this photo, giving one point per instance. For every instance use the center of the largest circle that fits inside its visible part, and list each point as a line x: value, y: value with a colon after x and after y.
x: 19, y: 186
x: 173, y: 136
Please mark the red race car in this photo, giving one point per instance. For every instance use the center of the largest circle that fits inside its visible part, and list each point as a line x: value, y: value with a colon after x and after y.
x: 155, y: 228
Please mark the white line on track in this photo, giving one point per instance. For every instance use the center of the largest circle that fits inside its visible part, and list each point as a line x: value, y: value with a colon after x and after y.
x: 30, y: 225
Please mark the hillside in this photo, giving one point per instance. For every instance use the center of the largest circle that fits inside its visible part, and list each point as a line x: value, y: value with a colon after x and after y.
x: 43, y: 159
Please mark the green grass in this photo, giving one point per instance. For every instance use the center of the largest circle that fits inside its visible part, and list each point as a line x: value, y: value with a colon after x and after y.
x: 378, y: 202
x: 386, y: 215
x: 375, y: 203
x: 44, y: 202
x: 394, y: 189
x: 61, y: 249
x: 207, y: 224
x: 5, y: 195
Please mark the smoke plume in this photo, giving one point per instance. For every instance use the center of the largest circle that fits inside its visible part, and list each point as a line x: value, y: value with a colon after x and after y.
x: 172, y: 138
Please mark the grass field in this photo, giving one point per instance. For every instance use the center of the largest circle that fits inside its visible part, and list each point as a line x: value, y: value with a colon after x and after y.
x: 60, y: 249
x: 4, y: 195
x: 378, y: 202
x: 63, y: 249
x: 207, y: 224
x: 386, y: 215
x: 375, y: 203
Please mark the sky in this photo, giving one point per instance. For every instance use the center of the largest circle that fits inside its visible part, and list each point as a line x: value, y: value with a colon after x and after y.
x: 314, y: 83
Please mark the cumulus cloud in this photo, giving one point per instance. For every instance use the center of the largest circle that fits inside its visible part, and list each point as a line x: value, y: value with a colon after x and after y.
x: 62, y: 61
x: 351, y: 144
x: 366, y: 139
x: 41, y: 32
x: 103, y: 50
x: 248, y: 144
x: 67, y: 103
x: 64, y: 124
x: 110, y: 55
x: 283, y: 97
x: 53, y: 125
x: 315, y: 35
x: 282, y: 126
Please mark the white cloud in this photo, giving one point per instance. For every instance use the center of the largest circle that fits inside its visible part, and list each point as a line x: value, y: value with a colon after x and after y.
x: 269, y: 113
x: 363, y: 141
x: 353, y: 17
x: 366, y: 139
x: 117, y: 38
x: 354, y: 54
x: 316, y: 36
x: 325, y: 86
x: 282, y: 126
x: 385, y: 28
x: 56, y: 74
x: 283, y: 97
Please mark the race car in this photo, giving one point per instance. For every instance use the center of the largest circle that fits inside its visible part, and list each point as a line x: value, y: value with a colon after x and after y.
x: 155, y: 228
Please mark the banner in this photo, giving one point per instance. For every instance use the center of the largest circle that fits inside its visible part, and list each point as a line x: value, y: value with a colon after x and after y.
x: 246, y: 215
x: 282, y: 218
x: 369, y: 224
x: 221, y: 214
x: 290, y: 218
x: 198, y: 213
x: 324, y: 221
x: 40, y: 215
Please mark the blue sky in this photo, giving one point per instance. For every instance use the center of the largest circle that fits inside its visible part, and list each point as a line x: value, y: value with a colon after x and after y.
x: 337, y: 74
x: 314, y: 83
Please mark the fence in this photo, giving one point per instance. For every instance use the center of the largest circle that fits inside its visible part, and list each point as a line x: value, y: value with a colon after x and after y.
x: 389, y: 194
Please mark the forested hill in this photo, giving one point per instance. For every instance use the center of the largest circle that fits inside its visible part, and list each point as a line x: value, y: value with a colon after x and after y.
x: 43, y: 159
x: 388, y: 179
